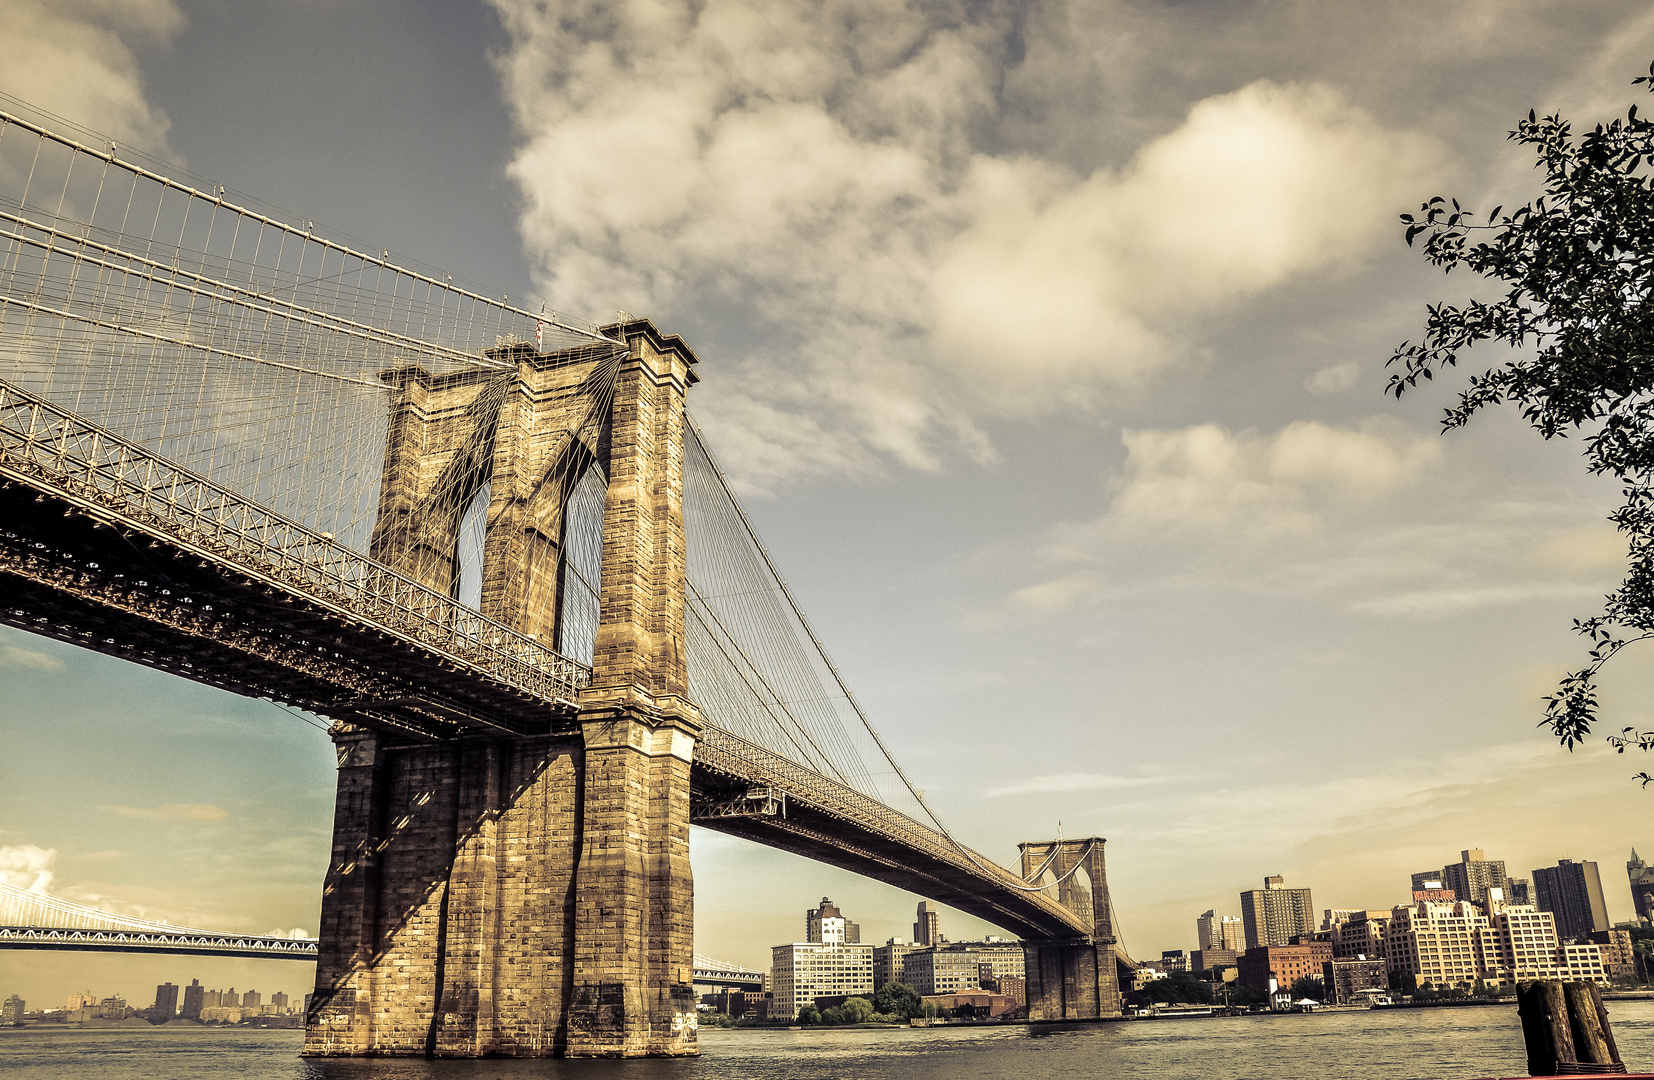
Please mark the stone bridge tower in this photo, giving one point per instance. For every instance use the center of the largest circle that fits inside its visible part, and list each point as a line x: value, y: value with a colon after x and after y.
x: 1077, y: 979
x: 529, y: 895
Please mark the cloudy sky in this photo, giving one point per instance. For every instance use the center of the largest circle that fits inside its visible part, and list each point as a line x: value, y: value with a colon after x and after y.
x: 1046, y: 342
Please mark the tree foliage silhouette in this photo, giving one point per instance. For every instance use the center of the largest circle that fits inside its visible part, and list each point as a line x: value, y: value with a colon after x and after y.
x: 1577, y: 264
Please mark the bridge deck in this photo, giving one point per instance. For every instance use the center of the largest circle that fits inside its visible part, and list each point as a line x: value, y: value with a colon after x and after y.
x: 836, y: 824
x: 186, y: 942
x: 111, y: 547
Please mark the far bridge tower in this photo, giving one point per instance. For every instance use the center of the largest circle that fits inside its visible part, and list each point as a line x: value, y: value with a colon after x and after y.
x: 1078, y: 978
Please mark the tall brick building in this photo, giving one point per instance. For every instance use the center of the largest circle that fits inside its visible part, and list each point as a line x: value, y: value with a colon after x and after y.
x: 1286, y: 964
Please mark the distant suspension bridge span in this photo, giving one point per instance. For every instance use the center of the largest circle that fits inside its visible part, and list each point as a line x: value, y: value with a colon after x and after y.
x: 487, y: 542
x: 30, y: 920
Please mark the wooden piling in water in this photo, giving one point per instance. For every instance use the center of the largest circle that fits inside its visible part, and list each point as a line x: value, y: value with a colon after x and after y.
x: 1566, y: 1029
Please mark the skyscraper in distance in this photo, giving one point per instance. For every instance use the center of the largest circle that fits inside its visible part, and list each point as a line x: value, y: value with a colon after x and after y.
x: 166, y: 1001
x: 828, y: 924
x: 1573, y: 893
x: 1275, y: 914
x: 928, y: 929
x: 1208, y: 932
x: 1641, y: 879
x: 1473, y: 875
x: 1214, y: 931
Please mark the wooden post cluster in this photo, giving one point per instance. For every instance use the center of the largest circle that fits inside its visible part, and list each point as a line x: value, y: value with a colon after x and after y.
x: 1565, y: 1026
x: 1073, y: 980
x: 528, y: 896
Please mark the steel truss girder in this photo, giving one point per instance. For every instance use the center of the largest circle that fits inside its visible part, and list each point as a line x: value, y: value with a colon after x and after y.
x: 836, y: 824
x: 120, y: 590
x: 113, y: 480
x: 190, y: 942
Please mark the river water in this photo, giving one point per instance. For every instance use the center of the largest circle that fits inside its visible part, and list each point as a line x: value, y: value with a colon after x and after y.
x: 1401, y: 1044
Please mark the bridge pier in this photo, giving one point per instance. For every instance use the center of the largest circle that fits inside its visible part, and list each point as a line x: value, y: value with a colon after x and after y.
x: 1075, y: 979
x: 528, y: 895
x: 448, y: 910
x: 634, y: 931
x: 1071, y: 981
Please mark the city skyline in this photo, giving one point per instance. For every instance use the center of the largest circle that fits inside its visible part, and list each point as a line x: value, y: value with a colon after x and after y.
x: 1180, y: 555
x: 139, y: 996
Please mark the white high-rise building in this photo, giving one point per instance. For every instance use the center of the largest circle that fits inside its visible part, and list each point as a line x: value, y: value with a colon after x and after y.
x: 830, y: 962
x: 1214, y: 931
x: 1457, y: 944
x: 806, y: 970
x: 1439, y: 944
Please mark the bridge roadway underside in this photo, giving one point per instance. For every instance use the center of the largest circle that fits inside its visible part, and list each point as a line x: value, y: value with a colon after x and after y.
x: 74, y: 571
x: 825, y: 836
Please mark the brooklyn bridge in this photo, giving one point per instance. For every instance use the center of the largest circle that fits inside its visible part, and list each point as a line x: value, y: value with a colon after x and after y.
x: 492, y: 546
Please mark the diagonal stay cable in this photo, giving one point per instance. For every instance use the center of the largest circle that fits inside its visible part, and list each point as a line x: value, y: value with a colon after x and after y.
x: 763, y: 552
x: 210, y: 288
x: 553, y: 319
x: 183, y: 342
x: 771, y: 690
x: 732, y: 666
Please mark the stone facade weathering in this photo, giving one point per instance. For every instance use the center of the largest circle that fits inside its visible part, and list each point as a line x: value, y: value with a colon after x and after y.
x: 528, y: 896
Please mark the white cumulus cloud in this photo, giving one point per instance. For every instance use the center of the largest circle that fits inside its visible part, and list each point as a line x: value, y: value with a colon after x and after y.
x: 16, y: 656
x: 1061, y: 782
x: 26, y: 866
x: 199, y: 812
x: 1334, y: 378
x: 811, y: 182
x: 1085, y: 276
x: 1208, y: 475
x: 75, y: 58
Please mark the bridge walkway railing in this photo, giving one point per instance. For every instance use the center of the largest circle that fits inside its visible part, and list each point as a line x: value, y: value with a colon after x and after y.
x: 43, y: 443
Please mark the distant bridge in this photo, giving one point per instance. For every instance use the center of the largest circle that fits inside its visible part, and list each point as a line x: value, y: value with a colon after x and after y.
x: 715, y: 973
x: 31, y: 920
